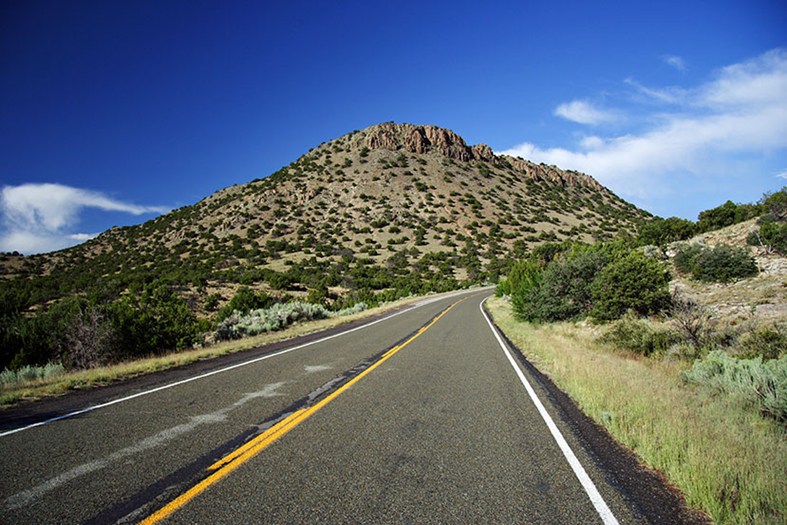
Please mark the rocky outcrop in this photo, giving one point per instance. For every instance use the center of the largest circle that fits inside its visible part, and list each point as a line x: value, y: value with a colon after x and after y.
x: 543, y: 172
x: 424, y: 139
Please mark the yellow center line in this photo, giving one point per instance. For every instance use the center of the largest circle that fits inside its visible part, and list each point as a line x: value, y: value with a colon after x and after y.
x: 242, y: 454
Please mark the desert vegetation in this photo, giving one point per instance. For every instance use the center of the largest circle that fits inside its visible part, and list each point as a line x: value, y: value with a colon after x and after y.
x: 698, y: 392
x: 355, y: 220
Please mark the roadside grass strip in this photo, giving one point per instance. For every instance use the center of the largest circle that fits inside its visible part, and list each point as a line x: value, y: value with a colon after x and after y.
x: 726, y: 459
x: 244, y: 453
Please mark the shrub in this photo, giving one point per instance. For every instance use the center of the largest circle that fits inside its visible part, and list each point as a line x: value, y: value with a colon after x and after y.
x: 772, y: 235
x: 685, y: 257
x: 245, y: 300
x: 727, y: 214
x: 563, y: 290
x: 29, y: 373
x: 639, y: 336
x: 721, y: 263
x: 775, y: 205
x: 724, y: 263
x: 762, y: 385
x: 661, y: 232
x: 691, y: 320
x: 767, y: 342
x: 633, y: 282
x: 523, y: 275
x: 270, y: 319
x: 88, y: 342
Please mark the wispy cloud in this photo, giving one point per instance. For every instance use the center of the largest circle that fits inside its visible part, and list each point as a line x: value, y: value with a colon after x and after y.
x: 583, y: 112
x: 674, y: 61
x: 38, y: 218
x: 700, y: 130
x: 782, y: 174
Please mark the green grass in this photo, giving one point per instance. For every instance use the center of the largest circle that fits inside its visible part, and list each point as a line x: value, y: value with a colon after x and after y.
x: 725, y: 458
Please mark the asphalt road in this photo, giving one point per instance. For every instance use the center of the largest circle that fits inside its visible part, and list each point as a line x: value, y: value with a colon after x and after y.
x: 415, y: 419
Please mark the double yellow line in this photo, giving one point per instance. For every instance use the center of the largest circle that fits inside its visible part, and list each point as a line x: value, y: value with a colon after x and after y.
x: 242, y: 454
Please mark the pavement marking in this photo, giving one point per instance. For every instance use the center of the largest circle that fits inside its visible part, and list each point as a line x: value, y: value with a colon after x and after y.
x: 242, y: 454
x: 23, y: 498
x: 310, y: 369
x: 221, y: 370
x: 590, y: 488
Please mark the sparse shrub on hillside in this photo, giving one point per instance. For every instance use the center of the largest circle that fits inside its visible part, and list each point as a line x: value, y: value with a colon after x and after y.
x: 212, y: 302
x: 772, y: 236
x: 721, y: 263
x: 725, y: 215
x: 773, y: 224
x: 761, y: 384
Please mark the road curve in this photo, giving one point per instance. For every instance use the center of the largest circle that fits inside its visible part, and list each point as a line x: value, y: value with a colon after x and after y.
x: 423, y: 417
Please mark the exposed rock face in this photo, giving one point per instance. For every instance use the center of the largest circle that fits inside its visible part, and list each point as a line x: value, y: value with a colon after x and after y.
x: 542, y: 172
x: 424, y: 139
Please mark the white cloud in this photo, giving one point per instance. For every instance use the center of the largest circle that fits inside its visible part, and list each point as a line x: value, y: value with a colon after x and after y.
x: 675, y: 61
x: 583, y: 112
x: 782, y: 174
x: 741, y: 111
x: 36, y: 217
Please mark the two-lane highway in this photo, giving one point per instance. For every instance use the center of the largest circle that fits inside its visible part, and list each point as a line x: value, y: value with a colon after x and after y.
x: 419, y: 418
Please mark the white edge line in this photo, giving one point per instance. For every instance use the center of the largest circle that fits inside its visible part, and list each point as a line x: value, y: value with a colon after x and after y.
x: 226, y: 369
x: 590, y: 488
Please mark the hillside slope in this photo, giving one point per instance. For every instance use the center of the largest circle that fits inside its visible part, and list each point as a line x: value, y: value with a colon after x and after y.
x: 394, y: 206
x: 762, y: 298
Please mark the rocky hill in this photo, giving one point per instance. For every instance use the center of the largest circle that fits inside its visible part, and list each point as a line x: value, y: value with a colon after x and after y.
x: 391, y: 209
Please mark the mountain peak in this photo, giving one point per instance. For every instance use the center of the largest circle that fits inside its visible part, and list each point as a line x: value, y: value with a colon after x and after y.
x: 421, y: 139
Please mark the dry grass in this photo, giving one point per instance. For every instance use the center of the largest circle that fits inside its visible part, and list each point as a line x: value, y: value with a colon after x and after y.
x: 728, y: 462
x: 54, y: 386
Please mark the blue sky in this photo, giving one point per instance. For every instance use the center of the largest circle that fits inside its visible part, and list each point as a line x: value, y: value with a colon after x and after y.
x: 113, y: 112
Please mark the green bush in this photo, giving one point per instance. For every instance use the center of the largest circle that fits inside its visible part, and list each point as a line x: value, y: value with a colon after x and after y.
x: 761, y: 384
x: 773, y: 235
x: 685, y: 256
x: 721, y: 263
x: 639, y: 336
x: 767, y: 342
x: 773, y: 224
x: 523, y: 275
x: 563, y: 290
x: 727, y: 214
x: 775, y: 205
x: 245, y: 300
x: 633, y: 282
x: 152, y: 321
x: 661, y: 232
